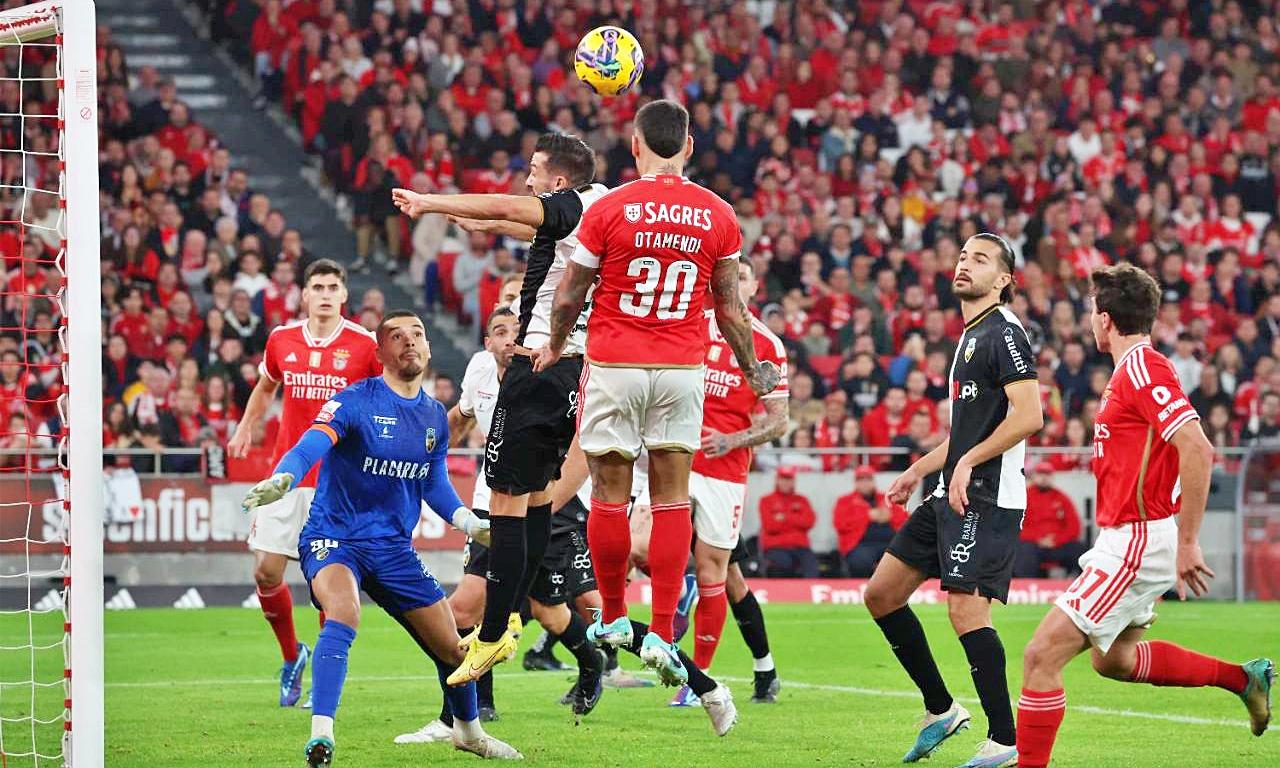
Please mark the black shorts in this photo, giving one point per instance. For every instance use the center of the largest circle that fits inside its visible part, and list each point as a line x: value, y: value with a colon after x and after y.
x: 970, y: 553
x: 740, y: 553
x: 534, y: 420
x: 566, y: 570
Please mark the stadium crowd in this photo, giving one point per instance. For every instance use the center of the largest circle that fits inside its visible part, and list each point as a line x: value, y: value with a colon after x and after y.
x: 860, y: 148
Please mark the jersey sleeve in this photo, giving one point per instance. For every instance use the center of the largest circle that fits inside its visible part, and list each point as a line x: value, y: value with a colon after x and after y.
x: 270, y: 365
x: 467, y: 398
x: 730, y: 237
x: 1012, y: 356
x: 561, y: 212
x: 591, y: 237
x: 337, y: 415
x: 1157, y: 395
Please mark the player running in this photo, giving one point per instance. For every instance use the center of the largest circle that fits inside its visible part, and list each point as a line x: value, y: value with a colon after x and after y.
x: 1152, y: 461
x: 384, y: 442
x: 655, y: 244
x: 966, y: 531
x: 313, y: 359
x: 535, y: 416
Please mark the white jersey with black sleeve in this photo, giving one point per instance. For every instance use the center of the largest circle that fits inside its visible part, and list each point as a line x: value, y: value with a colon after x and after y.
x: 479, y: 394
x: 554, y: 243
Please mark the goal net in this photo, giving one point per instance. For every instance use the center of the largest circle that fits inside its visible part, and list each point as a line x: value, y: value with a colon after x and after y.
x: 51, y: 671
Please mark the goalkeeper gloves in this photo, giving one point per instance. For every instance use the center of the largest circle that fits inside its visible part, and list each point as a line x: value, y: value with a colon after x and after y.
x: 471, y: 524
x: 267, y: 491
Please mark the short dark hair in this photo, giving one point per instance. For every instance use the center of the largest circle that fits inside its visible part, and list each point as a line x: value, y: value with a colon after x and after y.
x: 569, y: 156
x: 324, y: 267
x: 1006, y: 257
x: 498, y: 313
x: 395, y: 314
x: 1129, y: 295
x: 664, y: 126
x: 745, y: 261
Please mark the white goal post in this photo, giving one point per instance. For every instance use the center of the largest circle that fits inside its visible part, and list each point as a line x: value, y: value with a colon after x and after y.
x: 70, y: 26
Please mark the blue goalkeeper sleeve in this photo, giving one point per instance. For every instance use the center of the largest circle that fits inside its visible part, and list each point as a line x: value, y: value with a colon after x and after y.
x: 309, y: 449
x: 439, y: 493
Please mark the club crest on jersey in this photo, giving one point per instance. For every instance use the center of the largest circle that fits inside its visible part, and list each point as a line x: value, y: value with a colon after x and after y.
x: 632, y: 212
x: 968, y: 350
x: 340, y: 358
x: 431, y: 439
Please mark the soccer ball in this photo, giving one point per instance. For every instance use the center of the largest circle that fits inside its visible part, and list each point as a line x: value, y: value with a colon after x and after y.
x: 609, y: 60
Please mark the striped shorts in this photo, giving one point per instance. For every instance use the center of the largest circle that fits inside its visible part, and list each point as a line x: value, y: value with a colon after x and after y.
x: 1129, y: 567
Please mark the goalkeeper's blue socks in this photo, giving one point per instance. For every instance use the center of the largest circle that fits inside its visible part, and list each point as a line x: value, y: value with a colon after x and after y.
x: 328, y: 672
x: 461, y: 699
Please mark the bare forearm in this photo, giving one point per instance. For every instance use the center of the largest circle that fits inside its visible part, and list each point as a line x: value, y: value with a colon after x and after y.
x: 1195, y: 467
x: 501, y: 227
x: 521, y: 209
x: 765, y: 428
x: 933, y: 461
x: 570, y: 296
x: 459, y: 426
x: 259, y: 401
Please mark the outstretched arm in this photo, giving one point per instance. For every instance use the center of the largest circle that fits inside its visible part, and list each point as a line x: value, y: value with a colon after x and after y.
x: 522, y: 209
x: 734, y: 321
x: 500, y: 227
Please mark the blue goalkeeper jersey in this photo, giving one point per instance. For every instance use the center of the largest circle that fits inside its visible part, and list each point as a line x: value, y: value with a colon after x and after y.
x: 387, y: 456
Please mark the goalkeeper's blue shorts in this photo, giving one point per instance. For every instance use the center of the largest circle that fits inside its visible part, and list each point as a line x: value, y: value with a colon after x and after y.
x: 388, y: 571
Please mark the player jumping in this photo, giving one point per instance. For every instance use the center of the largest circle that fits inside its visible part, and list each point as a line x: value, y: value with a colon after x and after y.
x: 384, y: 443
x: 655, y: 244
x: 535, y: 416
x: 966, y: 530
x: 1152, y: 461
x: 313, y: 359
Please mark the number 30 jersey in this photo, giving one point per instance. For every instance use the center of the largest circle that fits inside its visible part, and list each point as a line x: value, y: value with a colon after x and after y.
x: 655, y: 242
x: 1133, y: 460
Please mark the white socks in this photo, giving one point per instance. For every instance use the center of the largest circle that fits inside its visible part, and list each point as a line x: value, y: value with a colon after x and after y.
x: 467, y: 730
x: 321, y: 726
x: 763, y: 665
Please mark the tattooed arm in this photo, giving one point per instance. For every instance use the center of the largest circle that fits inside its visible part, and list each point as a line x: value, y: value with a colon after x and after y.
x: 764, y: 428
x: 571, y: 294
x: 734, y: 321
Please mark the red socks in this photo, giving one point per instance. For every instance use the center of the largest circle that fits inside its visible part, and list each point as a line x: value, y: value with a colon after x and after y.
x: 708, y: 622
x: 1039, y: 715
x: 609, y: 536
x: 1161, y: 663
x: 277, y: 607
x: 668, y: 556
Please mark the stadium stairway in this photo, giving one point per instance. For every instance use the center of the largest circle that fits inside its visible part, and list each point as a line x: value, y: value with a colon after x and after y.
x: 165, y: 34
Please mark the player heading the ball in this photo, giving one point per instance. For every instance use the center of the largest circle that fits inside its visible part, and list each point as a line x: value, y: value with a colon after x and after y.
x: 657, y: 245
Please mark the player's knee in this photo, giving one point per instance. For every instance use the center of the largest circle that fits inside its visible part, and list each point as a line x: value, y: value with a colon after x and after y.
x: 968, y: 613
x: 711, y: 570
x: 267, y: 576
x: 1115, y: 665
x: 880, y: 600
x: 1034, y: 657
x: 343, y: 611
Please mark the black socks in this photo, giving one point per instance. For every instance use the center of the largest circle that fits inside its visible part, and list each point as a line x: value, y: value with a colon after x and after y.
x: 906, y: 637
x: 505, y: 574
x: 986, y: 663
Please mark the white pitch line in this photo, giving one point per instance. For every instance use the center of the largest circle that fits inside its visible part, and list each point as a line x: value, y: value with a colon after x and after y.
x: 849, y: 689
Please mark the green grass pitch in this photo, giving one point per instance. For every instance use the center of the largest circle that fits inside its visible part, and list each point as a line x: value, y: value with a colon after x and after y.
x: 196, y: 688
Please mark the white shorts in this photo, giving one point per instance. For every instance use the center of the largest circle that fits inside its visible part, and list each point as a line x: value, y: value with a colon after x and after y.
x: 1128, y: 569
x: 717, y: 509
x: 625, y: 409
x: 276, y: 525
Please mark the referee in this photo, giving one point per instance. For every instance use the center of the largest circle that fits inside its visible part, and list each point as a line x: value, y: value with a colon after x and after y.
x: 966, y: 530
x: 535, y: 415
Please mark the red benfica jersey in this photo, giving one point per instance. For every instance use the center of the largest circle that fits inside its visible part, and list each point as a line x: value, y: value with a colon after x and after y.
x: 310, y: 371
x: 655, y: 242
x: 730, y: 401
x: 1134, y: 463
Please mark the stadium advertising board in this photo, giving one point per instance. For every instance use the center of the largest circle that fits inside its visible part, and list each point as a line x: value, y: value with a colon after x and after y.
x: 174, y: 515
